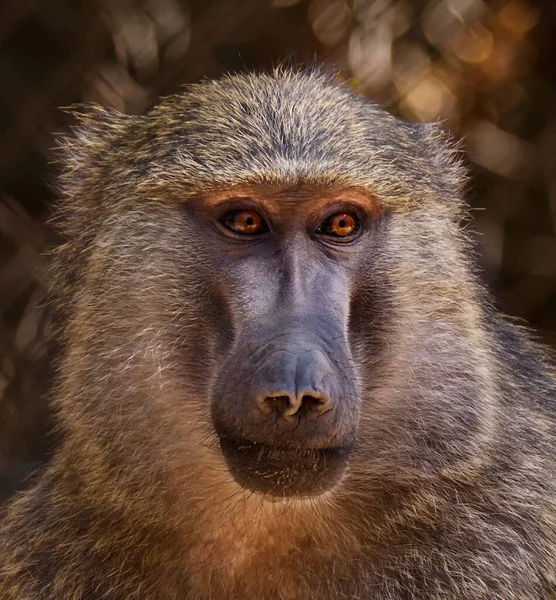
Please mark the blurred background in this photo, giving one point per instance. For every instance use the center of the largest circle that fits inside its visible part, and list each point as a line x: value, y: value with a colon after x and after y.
x: 487, y: 69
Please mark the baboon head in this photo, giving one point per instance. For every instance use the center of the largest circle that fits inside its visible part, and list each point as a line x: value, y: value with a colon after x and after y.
x: 265, y: 289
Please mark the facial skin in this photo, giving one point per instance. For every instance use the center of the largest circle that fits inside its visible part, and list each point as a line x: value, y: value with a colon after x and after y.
x: 285, y: 400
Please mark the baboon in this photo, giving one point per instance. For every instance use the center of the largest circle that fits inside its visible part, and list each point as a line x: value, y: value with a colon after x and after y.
x: 281, y: 377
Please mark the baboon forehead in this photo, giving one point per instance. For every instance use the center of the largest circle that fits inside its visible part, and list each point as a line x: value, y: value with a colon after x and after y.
x: 280, y: 128
x: 285, y: 127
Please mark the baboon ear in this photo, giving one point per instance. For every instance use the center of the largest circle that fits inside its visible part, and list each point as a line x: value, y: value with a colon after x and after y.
x: 446, y: 157
x: 93, y: 132
x: 83, y: 184
x: 84, y: 156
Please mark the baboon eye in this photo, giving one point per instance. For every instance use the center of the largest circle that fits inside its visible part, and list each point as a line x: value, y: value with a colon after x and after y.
x: 339, y: 225
x: 245, y: 222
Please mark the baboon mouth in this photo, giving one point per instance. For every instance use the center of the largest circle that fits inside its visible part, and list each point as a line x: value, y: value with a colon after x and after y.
x: 284, y: 471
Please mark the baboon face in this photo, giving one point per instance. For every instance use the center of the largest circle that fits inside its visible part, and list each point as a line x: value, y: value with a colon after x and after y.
x: 284, y: 400
x: 263, y: 288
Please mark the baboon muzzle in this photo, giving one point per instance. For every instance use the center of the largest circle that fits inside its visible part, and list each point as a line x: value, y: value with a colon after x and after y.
x: 285, y: 410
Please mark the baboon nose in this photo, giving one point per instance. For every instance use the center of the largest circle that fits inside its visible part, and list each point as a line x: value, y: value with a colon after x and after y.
x: 295, y: 384
x: 290, y: 405
x: 286, y: 426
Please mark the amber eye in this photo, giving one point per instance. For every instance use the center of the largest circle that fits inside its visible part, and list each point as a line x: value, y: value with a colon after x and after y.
x: 340, y: 225
x: 245, y: 222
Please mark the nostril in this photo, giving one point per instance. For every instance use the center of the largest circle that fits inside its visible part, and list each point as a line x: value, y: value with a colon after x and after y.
x: 287, y: 406
x: 280, y: 405
x: 316, y: 404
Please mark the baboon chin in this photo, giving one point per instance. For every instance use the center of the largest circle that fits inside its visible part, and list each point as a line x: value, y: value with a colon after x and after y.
x: 281, y: 376
x: 281, y: 471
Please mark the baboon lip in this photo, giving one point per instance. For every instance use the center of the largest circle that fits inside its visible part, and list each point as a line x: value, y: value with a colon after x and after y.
x: 284, y: 470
